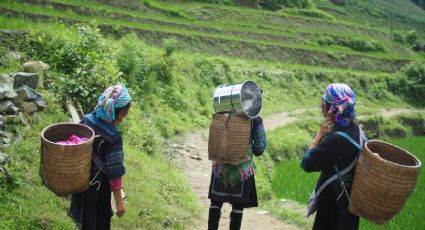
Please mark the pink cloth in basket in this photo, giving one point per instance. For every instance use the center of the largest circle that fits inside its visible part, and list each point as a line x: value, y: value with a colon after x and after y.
x: 73, y: 140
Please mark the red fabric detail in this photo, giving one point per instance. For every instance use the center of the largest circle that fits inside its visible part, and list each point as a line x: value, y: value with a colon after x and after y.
x: 116, y: 184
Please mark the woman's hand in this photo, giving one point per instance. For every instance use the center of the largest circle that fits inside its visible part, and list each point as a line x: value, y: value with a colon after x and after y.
x: 119, y: 202
x: 325, y: 128
x: 120, y: 208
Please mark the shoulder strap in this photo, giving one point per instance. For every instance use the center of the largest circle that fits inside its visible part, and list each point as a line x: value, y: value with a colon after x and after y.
x: 96, y: 159
x: 350, y: 166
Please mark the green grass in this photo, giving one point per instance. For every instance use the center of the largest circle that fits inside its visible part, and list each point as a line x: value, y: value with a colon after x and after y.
x: 291, y: 182
x: 404, y: 14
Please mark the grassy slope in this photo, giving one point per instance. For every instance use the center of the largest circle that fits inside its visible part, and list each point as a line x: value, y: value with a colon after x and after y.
x: 198, y: 40
x: 380, y: 14
x: 295, y: 81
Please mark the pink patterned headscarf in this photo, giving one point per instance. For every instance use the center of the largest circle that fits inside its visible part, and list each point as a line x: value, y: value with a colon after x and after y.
x: 113, y: 97
x: 342, y: 100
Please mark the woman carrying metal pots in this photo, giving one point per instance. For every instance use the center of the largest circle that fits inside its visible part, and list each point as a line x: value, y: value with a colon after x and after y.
x: 235, y: 184
x: 334, y: 151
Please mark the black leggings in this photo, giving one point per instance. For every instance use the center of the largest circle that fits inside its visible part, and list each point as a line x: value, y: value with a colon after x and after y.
x: 215, y: 213
x: 219, y: 204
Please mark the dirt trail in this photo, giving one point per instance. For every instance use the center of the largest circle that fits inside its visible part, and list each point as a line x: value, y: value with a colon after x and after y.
x: 197, y: 167
x: 386, y: 113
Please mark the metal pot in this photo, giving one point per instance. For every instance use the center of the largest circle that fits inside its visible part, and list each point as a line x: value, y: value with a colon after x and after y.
x: 244, y: 98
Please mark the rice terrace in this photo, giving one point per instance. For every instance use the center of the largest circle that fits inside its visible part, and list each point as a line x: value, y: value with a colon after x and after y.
x: 58, y: 56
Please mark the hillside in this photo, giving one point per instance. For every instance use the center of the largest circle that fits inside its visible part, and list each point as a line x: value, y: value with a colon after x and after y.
x: 171, y: 55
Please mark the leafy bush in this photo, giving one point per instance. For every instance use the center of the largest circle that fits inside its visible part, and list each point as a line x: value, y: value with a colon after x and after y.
x: 144, y: 136
x: 409, y: 38
x: 395, y: 130
x: 415, y: 81
x: 412, y: 37
x: 326, y: 41
x: 417, y: 122
x: 357, y: 44
x: 131, y: 60
x: 396, y: 127
x: 82, y: 58
x: 276, y: 4
x: 93, y: 69
x: 170, y: 45
x: 315, y: 13
x: 399, y: 37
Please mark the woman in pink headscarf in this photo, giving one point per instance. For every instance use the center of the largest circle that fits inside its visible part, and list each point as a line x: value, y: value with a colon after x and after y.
x: 333, y: 152
x: 91, y: 209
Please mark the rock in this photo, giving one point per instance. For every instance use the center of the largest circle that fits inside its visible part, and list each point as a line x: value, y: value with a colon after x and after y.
x: 21, y: 79
x: 263, y: 212
x: 1, y: 120
x: 26, y: 93
x: 6, y: 87
x: 3, y: 159
x: 40, y: 103
x: 8, y: 107
x: 196, y: 157
x: 28, y: 107
x: 37, y: 67
x: 4, y: 146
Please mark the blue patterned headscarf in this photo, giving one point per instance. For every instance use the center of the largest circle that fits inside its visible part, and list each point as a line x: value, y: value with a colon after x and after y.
x: 113, y: 97
x: 342, y: 100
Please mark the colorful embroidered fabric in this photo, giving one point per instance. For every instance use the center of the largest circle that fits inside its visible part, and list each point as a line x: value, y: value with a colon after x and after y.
x: 342, y: 100
x: 113, y: 97
x: 73, y: 140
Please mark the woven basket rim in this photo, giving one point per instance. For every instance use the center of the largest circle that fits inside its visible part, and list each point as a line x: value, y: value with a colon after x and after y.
x: 67, y: 123
x: 418, y: 165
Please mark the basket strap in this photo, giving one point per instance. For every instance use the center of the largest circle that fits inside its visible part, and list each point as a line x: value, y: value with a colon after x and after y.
x: 96, y: 159
x: 349, y: 167
x: 231, y: 101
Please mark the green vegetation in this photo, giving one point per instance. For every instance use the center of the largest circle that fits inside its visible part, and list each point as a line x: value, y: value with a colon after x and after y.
x: 172, y: 55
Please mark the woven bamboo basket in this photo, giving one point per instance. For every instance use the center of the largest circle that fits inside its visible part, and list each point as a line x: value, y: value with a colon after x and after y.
x: 229, y: 138
x: 65, y: 169
x: 382, y: 183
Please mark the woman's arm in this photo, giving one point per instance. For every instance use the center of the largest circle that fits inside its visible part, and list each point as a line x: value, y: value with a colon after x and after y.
x: 258, y: 137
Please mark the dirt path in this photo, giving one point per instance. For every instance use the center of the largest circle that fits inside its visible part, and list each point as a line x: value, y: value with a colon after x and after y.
x: 197, y: 167
x: 386, y: 113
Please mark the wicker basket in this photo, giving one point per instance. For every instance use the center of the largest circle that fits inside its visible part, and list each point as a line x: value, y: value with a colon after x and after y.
x: 382, y: 183
x: 65, y: 169
x: 229, y: 138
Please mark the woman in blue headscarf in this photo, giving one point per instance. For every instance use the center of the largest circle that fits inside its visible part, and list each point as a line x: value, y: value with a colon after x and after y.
x: 91, y: 209
x: 333, y: 152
